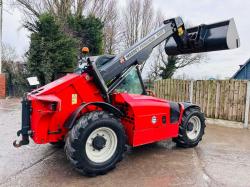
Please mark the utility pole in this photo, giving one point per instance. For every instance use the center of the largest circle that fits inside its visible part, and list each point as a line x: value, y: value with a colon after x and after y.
x: 1, y: 21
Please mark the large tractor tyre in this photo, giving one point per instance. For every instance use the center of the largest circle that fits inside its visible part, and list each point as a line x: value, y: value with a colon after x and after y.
x: 96, y: 143
x: 191, y: 128
x: 59, y: 144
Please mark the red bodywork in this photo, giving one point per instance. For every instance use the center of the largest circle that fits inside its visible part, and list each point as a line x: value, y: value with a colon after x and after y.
x: 146, y: 120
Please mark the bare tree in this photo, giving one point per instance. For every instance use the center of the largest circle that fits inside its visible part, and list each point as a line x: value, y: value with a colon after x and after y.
x: 8, y: 53
x: 106, y: 10
x: 59, y: 8
x: 132, y: 17
x: 147, y: 17
x: 111, y: 36
x: 15, y: 71
x: 100, y: 9
x: 154, y: 71
x: 165, y: 66
x: 79, y: 6
x: 9, y: 59
x: 138, y: 20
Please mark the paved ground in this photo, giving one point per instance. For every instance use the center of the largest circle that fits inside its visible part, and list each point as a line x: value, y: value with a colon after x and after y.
x: 221, y: 159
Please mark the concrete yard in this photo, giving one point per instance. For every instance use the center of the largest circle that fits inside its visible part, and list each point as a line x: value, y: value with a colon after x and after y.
x: 221, y: 159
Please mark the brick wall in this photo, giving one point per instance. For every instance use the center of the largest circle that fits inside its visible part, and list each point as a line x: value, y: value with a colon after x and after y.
x: 2, y: 86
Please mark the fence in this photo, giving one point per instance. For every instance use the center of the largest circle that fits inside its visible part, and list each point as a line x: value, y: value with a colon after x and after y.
x: 220, y: 99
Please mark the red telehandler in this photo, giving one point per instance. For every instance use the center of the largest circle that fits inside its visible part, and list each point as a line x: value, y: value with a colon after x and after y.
x: 104, y: 106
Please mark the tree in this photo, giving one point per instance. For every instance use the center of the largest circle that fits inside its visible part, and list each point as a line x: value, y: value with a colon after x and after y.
x: 14, y: 70
x: 8, y: 53
x: 147, y: 17
x: 111, y: 32
x: 51, y: 51
x: 105, y: 10
x: 138, y: 20
x: 165, y: 66
x: 88, y: 31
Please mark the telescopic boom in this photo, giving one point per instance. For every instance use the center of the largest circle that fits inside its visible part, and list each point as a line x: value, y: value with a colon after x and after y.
x: 204, y: 38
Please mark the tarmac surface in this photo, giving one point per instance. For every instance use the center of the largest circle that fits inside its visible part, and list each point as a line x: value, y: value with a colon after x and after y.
x: 221, y: 159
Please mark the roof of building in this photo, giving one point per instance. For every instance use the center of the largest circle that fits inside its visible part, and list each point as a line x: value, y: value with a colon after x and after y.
x: 241, y: 67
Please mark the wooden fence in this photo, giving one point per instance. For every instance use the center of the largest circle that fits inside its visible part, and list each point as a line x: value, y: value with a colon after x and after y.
x: 221, y: 99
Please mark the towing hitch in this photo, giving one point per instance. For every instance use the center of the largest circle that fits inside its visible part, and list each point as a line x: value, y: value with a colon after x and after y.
x: 24, y: 141
x: 25, y: 130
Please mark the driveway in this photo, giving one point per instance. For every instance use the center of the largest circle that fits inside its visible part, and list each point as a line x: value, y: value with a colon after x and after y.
x: 221, y: 159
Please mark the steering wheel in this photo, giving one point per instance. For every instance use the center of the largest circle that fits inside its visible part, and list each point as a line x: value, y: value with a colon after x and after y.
x: 150, y: 93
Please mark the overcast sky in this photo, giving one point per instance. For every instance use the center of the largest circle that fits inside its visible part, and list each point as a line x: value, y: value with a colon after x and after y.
x: 219, y: 64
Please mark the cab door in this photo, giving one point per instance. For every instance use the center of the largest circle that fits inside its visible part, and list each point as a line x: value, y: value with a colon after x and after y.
x: 150, y: 116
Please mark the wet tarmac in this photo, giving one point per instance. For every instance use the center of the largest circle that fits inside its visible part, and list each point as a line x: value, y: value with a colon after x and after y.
x: 221, y: 159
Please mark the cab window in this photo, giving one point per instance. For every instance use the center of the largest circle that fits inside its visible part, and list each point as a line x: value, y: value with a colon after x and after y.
x: 131, y: 83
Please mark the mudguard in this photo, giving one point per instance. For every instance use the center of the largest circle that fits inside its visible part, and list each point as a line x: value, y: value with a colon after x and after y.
x: 176, y: 110
x: 188, y: 105
x: 105, y: 106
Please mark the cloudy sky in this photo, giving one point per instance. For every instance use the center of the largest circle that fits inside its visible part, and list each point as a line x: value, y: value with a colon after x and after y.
x: 220, y: 64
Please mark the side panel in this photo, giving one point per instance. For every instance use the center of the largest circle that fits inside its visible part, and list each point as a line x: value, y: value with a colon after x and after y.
x: 152, y: 122
x: 147, y: 119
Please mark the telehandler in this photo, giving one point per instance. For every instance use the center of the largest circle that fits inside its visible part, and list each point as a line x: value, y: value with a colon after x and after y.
x: 103, y: 107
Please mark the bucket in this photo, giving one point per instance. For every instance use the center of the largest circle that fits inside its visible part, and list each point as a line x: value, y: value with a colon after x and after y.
x: 205, y: 38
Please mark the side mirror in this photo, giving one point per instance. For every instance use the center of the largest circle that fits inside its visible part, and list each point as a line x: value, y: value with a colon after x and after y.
x: 205, y: 38
x: 33, y: 82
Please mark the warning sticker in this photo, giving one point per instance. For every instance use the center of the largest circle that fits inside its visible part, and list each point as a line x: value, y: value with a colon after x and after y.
x: 74, y: 99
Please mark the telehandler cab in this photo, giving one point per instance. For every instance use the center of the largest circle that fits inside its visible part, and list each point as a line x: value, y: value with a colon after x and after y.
x: 104, y: 106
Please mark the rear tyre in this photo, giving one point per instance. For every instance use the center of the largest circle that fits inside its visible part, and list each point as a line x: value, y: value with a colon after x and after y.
x: 96, y: 143
x: 59, y: 144
x: 191, y: 128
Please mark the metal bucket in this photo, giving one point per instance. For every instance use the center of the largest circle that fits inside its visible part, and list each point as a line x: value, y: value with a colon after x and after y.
x: 205, y: 38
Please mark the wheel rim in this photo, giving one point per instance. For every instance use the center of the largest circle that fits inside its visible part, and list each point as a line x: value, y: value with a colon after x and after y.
x: 196, y: 127
x: 107, y: 151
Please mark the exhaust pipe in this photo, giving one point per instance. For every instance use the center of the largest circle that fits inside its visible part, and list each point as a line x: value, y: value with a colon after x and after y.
x: 205, y: 38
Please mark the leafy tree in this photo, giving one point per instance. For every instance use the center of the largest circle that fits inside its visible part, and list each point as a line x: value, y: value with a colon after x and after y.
x: 167, y: 69
x: 105, y: 10
x: 165, y: 66
x: 172, y: 63
x: 51, y: 50
x: 88, y: 31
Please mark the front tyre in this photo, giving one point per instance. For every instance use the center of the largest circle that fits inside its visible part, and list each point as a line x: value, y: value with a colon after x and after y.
x: 191, y: 128
x: 96, y: 143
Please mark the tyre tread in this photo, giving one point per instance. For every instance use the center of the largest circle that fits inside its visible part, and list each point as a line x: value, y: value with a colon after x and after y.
x: 74, y: 136
x: 182, y: 140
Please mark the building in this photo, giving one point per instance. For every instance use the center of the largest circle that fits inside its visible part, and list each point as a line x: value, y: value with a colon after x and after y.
x: 244, y: 72
x: 2, y: 86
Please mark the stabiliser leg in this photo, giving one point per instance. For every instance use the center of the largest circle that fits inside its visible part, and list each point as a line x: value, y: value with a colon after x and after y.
x: 25, y: 130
